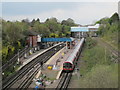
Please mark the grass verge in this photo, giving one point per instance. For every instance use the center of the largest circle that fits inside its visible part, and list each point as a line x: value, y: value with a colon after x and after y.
x: 97, y: 67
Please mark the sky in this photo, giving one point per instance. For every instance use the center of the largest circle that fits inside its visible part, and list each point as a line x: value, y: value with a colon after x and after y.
x: 80, y: 12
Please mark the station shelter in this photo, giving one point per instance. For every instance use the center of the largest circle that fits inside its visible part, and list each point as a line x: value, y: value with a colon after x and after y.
x: 69, y: 41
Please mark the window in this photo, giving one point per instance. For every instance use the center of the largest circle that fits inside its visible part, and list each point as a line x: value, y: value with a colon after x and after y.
x: 67, y: 65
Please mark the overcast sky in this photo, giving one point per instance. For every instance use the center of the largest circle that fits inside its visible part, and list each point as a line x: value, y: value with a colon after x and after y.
x: 80, y: 12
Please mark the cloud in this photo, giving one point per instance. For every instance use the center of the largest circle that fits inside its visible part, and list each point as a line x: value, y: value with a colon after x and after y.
x: 59, y: 0
x: 84, y: 14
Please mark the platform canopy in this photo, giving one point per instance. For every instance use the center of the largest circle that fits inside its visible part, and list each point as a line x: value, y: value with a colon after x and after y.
x: 56, y: 39
x: 79, y: 29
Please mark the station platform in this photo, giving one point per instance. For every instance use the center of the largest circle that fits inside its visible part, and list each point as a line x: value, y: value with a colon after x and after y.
x: 57, y: 60
x: 56, y: 71
x: 52, y: 75
x: 34, y: 55
x: 59, y: 66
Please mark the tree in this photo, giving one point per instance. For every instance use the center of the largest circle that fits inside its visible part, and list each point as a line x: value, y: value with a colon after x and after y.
x: 64, y: 22
x: 14, y: 34
x: 38, y: 20
x: 52, y: 24
x: 109, y: 29
x: 68, y: 22
x: 25, y: 20
x: 33, y: 21
x: 114, y: 18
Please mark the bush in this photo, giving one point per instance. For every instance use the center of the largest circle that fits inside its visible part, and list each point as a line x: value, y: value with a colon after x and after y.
x: 97, y: 68
x: 90, y: 43
x: 101, y: 76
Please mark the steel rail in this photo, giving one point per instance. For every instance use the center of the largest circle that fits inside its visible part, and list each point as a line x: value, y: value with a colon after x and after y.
x: 19, y: 74
x: 64, y: 81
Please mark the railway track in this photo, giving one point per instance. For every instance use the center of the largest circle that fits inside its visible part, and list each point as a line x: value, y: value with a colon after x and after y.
x: 110, y: 48
x: 27, y: 80
x: 24, y: 70
x: 64, y: 81
x: 66, y: 77
x: 14, y: 59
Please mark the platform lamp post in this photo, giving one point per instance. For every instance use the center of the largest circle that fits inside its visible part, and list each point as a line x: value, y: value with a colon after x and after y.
x: 55, y: 50
x: 18, y: 60
x: 3, y: 73
x: 25, y: 52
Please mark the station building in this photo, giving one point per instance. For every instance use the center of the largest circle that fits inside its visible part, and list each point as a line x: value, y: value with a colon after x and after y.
x: 32, y: 38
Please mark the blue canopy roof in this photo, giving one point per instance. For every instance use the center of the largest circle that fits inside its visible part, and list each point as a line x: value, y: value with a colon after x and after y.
x: 56, y: 39
x: 79, y: 29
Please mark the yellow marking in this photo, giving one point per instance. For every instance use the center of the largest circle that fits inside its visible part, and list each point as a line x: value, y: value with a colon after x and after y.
x: 62, y: 54
x: 50, y: 67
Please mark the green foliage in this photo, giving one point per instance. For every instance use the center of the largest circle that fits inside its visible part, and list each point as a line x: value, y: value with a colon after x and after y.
x: 109, y: 29
x: 97, y: 68
x: 95, y: 55
x: 4, y: 53
x: 53, y: 35
x: 68, y: 22
x: 15, y: 33
x: 114, y: 18
x: 90, y: 43
x: 101, y: 76
x: 0, y: 51
x: 41, y: 29
x: 19, y: 44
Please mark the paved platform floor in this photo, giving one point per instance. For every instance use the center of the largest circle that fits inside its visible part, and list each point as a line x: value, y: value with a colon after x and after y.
x: 32, y: 56
x: 52, y: 74
x: 57, y: 62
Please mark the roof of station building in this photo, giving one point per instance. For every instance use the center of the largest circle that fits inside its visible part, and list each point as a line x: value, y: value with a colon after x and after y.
x: 85, y: 28
x: 95, y: 26
x: 79, y: 29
